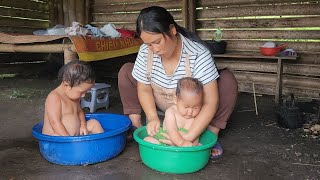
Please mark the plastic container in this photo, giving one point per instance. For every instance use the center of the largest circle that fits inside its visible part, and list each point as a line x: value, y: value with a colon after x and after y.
x: 271, y: 51
x: 171, y: 159
x: 88, y: 149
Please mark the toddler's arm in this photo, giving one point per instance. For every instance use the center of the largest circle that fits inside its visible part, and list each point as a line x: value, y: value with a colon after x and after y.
x: 172, y: 128
x: 83, y: 126
x: 54, y: 114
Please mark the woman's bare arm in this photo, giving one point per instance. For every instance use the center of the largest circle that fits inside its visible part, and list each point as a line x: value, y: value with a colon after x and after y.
x: 208, y: 110
x: 147, y: 102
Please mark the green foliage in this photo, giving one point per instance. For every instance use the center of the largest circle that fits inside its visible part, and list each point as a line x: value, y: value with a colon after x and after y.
x: 218, y: 35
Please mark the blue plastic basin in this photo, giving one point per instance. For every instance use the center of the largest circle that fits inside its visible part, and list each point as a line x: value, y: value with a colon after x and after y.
x: 88, y: 149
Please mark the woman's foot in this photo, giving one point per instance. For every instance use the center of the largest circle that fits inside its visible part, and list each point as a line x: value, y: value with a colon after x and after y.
x: 136, y: 120
x: 136, y: 123
x: 216, y: 151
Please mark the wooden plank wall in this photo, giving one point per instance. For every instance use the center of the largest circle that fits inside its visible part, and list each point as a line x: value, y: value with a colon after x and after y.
x: 124, y: 13
x: 248, y: 24
x: 24, y: 16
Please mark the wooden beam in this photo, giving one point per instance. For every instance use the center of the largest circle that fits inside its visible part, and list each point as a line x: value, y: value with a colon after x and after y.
x: 36, y: 48
x: 185, y: 15
x: 66, y: 20
x: 72, y: 11
x: 80, y: 13
x: 60, y: 11
x: 192, y: 15
x: 88, y: 15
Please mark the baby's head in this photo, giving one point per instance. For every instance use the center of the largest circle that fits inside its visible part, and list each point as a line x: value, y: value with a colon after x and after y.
x: 76, y: 72
x: 77, y: 77
x: 189, y: 97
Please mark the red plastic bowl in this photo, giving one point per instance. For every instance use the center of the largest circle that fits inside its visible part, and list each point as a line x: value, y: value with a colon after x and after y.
x: 270, y: 51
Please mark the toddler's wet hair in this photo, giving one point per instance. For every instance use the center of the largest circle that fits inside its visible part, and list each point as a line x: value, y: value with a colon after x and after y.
x: 76, y: 72
x: 189, y: 84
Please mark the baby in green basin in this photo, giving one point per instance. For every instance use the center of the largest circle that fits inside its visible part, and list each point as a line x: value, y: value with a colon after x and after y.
x: 179, y: 118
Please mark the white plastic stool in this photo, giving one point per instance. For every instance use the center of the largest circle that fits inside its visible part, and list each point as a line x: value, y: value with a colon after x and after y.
x: 94, y: 102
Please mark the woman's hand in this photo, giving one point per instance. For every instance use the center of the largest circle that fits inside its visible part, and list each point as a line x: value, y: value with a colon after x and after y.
x: 153, y: 127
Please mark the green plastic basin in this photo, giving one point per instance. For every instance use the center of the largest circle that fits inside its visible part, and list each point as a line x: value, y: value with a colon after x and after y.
x: 172, y: 159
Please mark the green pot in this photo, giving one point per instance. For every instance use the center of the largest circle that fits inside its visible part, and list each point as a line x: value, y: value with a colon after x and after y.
x: 172, y: 159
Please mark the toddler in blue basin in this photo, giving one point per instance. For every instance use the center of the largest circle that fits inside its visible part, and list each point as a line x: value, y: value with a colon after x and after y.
x: 63, y: 114
x: 179, y: 118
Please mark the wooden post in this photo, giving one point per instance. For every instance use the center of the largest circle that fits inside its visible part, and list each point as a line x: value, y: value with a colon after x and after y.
x: 72, y: 11
x: 66, y: 20
x: 69, y: 55
x: 192, y: 15
x: 80, y: 13
x: 87, y: 12
x: 185, y: 15
x: 52, y: 13
x: 278, y: 92
x: 60, y: 11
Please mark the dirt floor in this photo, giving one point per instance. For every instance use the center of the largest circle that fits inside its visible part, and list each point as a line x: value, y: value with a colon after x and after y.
x: 255, y: 147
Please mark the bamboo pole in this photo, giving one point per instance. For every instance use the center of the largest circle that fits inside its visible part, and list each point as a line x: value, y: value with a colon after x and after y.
x: 255, y: 99
x: 37, y: 48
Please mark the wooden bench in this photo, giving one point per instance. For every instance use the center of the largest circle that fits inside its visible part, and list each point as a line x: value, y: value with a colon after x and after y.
x: 257, y: 55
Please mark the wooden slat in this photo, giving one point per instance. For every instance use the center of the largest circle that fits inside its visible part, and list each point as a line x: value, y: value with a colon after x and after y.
x: 23, y: 13
x: 300, y: 47
x: 23, y: 23
x: 288, y: 80
x: 126, y: 1
x: 307, y: 58
x: 107, y: 8
x: 129, y: 25
x: 25, y: 30
x: 265, y: 66
x: 208, y: 3
x: 260, y: 23
x: 275, y: 10
x: 132, y: 17
x: 26, y: 4
x: 21, y: 69
x: 270, y: 89
x: 21, y: 57
x: 262, y: 34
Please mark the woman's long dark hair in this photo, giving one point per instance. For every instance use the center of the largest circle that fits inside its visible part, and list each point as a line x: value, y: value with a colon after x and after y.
x: 158, y: 20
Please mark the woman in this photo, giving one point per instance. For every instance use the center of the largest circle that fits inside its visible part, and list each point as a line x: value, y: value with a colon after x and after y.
x: 169, y: 53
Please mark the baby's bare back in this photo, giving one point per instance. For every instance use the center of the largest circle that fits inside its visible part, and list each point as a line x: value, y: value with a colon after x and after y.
x: 69, y: 117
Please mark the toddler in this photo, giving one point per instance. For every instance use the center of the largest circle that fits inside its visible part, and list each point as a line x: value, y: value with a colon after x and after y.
x: 63, y: 114
x: 179, y: 117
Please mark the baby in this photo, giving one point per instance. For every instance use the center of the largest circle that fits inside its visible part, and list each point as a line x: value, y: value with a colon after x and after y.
x: 179, y: 117
x: 63, y: 114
